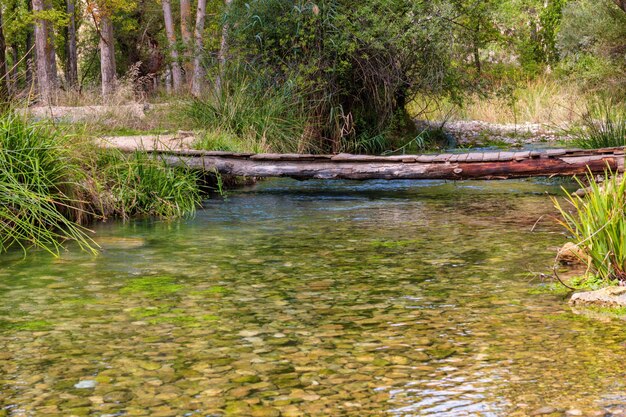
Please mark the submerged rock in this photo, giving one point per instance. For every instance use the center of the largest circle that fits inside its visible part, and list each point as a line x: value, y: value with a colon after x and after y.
x: 605, y: 297
x: 85, y: 384
x: 571, y: 254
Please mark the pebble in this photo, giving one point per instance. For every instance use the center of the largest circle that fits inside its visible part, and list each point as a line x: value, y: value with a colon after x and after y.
x: 86, y: 384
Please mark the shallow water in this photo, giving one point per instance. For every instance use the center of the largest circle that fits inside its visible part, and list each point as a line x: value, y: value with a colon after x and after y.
x: 312, y: 298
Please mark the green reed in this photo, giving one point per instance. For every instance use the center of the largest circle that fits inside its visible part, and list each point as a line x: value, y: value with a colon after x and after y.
x: 598, y: 225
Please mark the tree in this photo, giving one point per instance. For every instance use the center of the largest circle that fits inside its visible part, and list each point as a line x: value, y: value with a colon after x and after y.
x: 185, y: 30
x: 44, y: 51
x: 198, y: 70
x: 102, y: 12
x: 71, y: 59
x: 4, y: 90
x: 223, y: 52
x: 171, y: 37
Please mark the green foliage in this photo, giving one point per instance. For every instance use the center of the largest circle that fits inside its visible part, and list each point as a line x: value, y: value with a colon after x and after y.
x: 354, y: 65
x: 603, y: 126
x: 39, y: 185
x: 598, y: 225
x: 261, y: 118
x: 143, y: 185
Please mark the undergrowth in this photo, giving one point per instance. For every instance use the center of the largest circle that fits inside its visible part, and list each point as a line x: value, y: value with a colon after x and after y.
x: 51, y: 185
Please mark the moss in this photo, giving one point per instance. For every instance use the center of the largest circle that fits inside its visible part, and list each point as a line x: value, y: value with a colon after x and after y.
x: 152, y: 286
x: 33, y: 326
x: 181, y: 320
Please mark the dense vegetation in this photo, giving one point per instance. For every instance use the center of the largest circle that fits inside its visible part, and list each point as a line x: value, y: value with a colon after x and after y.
x: 50, y: 186
x: 330, y: 75
x: 283, y: 76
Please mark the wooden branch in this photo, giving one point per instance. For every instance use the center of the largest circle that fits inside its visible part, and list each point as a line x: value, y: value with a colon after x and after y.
x: 487, y: 165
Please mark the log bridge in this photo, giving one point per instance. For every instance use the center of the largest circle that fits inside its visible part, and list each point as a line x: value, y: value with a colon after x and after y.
x: 447, y: 166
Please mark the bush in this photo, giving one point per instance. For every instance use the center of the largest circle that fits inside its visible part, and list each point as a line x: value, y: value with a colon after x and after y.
x: 50, y: 186
x: 353, y: 65
x: 598, y: 225
x: 39, y: 185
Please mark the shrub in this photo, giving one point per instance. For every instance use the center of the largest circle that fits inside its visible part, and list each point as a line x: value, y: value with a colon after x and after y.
x: 354, y: 65
x: 598, y: 226
x: 266, y: 119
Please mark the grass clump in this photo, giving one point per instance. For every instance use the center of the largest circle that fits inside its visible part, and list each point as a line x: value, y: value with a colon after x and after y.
x: 597, y: 222
x: 39, y: 189
x: 602, y: 126
x: 51, y: 185
x: 262, y: 119
x: 143, y: 185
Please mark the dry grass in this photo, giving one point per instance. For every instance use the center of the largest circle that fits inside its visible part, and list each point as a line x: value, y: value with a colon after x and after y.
x: 542, y: 101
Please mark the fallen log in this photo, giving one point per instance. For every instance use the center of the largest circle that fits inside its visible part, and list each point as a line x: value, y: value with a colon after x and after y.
x: 479, y: 165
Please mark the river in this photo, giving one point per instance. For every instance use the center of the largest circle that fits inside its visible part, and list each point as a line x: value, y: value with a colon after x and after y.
x: 312, y: 298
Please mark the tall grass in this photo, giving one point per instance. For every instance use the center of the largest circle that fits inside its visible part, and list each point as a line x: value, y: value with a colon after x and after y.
x: 143, y: 185
x: 39, y: 189
x: 50, y: 185
x: 265, y: 119
x: 543, y: 100
x: 603, y: 125
x: 597, y: 223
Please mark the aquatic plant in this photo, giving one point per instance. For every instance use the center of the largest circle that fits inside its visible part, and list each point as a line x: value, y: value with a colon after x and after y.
x: 603, y: 126
x: 39, y: 189
x: 598, y: 226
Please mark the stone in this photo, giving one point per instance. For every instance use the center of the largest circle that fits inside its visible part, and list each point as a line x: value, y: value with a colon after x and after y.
x: 571, y: 254
x: 574, y: 412
x: 605, y: 297
x: 543, y: 411
x: 86, y: 384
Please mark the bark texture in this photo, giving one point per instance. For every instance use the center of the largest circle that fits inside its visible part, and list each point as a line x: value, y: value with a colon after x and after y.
x: 71, y: 66
x: 198, y: 71
x: 222, y: 55
x: 186, y: 23
x: 177, y: 76
x: 107, y: 56
x: 486, y: 166
x: 45, y: 82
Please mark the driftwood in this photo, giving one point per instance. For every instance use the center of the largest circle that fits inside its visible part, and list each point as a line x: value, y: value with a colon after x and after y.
x: 480, y: 165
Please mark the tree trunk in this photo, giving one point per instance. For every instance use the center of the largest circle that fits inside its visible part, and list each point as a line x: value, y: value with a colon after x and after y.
x: 71, y: 67
x: 50, y: 49
x: 198, y: 70
x: 15, y: 55
x: 222, y: 55
x: 177, y: 76
x: 185, y: 29
x: 107, y: 55
x: 4, y: 74
x: 476, y: 165
x: 44, y: 81
x: 30, y: 63
x: 621, y: 4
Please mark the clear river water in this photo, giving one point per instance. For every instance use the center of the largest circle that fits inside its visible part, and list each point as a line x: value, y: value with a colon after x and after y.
x: 312, y: 299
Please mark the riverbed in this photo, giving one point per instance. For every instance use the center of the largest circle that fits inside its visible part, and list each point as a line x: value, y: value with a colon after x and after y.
x: 314, y: 298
